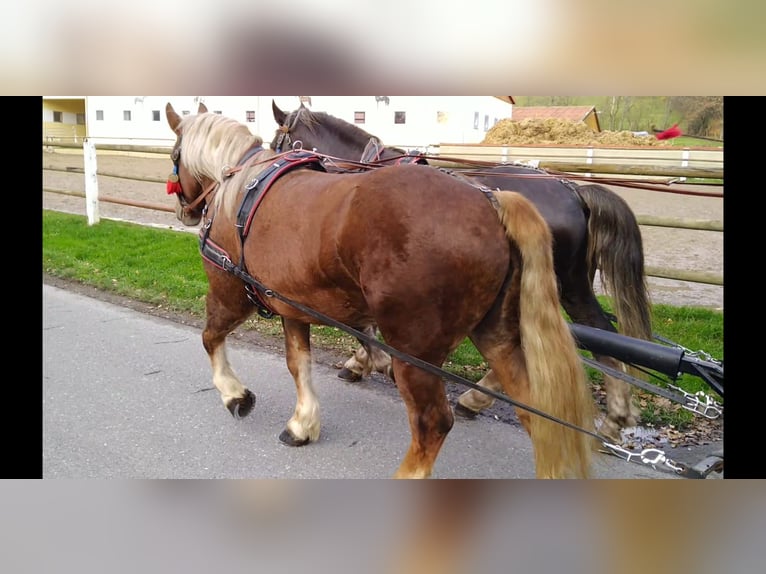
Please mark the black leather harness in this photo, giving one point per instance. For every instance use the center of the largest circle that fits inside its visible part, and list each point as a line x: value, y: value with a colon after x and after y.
x: 255, y: 191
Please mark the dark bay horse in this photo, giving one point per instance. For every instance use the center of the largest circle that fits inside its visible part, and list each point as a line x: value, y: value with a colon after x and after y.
x: 427, y: 257
x: 593, y: 229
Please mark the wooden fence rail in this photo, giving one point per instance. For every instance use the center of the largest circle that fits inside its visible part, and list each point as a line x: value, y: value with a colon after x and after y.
x: 650, y: 161
x: 676, y: 274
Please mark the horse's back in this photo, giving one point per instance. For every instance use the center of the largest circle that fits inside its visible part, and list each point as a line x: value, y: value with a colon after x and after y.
x: 416, y: 214
x: 556, y: 200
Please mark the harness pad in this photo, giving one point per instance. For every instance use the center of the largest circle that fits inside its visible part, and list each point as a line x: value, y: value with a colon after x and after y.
x: 256, y: 189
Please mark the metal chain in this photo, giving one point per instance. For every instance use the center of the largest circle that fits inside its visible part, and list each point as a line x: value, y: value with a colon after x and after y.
x: 708, y: 407
x: 704, y: 355
x: 650, y: 456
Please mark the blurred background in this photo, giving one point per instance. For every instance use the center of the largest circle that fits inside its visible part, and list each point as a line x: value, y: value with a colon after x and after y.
x: 233, y: 47
x: 386, y: 527
x: 548, y: 46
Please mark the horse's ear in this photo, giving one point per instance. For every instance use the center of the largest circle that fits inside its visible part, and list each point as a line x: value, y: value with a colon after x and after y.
x: 202, y: 108
x: 173, y: 118
x: 279, y: 115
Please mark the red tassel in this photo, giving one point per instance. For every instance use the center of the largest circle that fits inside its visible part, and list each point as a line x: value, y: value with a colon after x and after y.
x: 669, y: 133
x: 173, y: 187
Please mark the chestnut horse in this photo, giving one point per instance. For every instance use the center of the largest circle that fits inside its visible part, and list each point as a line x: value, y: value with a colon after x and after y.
x: 427, y: 257
x: 593, y: 228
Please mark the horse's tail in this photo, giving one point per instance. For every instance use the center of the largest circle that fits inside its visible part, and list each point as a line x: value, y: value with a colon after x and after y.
x: 616, y: 250
x: 557, y: 380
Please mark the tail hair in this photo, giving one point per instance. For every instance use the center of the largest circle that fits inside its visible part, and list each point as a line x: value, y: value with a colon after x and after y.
x: 615, y: 250
x: 557, y: 380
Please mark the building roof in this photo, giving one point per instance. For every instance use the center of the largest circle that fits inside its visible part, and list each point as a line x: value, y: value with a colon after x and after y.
x: 508, y: 99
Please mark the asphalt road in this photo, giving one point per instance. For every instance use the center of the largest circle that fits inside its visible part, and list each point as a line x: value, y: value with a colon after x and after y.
x: 130, y: 395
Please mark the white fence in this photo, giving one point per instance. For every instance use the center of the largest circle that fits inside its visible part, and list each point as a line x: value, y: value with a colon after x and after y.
x: 651, y: 162
x: 670, y: 159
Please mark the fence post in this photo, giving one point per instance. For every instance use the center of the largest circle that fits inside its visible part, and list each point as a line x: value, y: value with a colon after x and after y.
x: 91, y: 181
x: 684, y: 161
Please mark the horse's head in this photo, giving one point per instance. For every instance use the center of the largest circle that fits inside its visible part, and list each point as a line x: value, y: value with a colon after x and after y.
x: 209, y: 149
x: 290, y: 128
x: 326, y: 133
x: 188, y: 189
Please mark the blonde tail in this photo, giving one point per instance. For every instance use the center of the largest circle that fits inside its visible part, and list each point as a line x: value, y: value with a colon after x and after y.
x: 556, y: 375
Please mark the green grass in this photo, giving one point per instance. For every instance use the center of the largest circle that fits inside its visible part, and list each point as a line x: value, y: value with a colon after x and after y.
x: 163, y: 268
x: 688, y: 141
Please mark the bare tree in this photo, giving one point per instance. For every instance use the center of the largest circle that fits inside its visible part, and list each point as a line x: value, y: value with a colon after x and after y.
x: 702, y: 115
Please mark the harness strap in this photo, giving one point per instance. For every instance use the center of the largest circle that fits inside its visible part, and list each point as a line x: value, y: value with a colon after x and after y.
x: 217, y: 255
x: 257, y: 187
x: 412, y: 156
x: 255, y: 192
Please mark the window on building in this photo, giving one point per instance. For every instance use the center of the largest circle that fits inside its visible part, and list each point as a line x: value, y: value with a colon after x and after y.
x: 476, y: 120
x: 185, y: 113
x: 57, y: 117
x: 400, y: 117
x: 219, y: 112
x: 250, y: 116
x: 486, y: 123
x: 80, y: 119
x: 155, y: 115
x: 358, y: 117
x: 100, y: 115
x: 126, y: 115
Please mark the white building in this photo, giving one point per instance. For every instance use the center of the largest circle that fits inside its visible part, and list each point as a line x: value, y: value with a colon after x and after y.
x: 404, y: 121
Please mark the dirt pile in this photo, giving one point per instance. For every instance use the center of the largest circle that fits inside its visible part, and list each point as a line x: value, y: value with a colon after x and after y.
x: 561, y: 132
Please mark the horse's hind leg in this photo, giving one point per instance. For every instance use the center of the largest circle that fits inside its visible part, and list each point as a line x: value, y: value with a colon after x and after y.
x: 358, y: 365
x: 509, y: 370
x: 430, y: 418
x: 583, y: 308
x: 365, y: 359
x: 471, y: 402
x: 303, y: 427
x: 222, y: 319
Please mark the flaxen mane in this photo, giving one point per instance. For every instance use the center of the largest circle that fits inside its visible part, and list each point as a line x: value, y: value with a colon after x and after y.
x: 211, y: 143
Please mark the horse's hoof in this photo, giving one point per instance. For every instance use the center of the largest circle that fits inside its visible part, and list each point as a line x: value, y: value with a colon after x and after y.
x: 465, y: 412
x: 612, y: 431
x: 240, y: 408
x: 349, y: 375
x: 286, y: 437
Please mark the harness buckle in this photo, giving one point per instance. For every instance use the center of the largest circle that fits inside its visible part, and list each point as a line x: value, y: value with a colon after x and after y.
x: 260, y: 308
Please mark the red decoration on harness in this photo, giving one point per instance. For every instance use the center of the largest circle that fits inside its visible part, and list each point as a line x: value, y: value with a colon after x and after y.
x: 173, y: 187
x: 669, y: 133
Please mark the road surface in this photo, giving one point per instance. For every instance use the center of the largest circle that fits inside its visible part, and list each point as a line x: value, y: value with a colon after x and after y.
x: 129, y: 395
